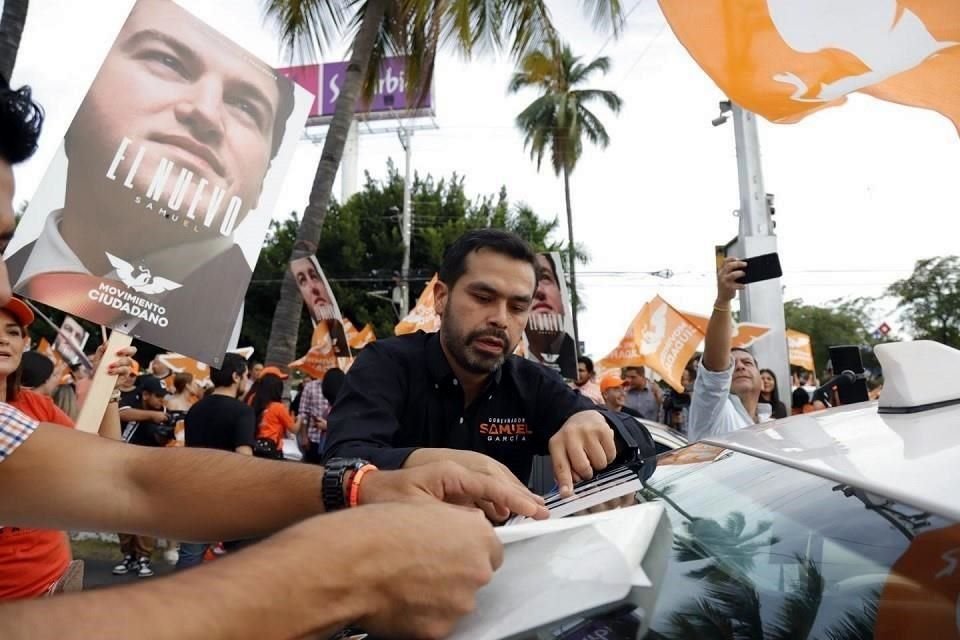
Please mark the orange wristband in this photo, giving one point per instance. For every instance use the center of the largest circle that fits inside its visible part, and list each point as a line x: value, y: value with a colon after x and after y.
x: 355, y: 484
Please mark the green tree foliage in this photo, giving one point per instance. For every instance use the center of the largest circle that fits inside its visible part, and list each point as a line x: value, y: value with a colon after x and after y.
x: 361, y: 248
x: 834, y: 323
x: 930, y: 299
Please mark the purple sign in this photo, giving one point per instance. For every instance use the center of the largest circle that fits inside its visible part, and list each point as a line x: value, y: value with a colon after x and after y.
x: 325, y: 81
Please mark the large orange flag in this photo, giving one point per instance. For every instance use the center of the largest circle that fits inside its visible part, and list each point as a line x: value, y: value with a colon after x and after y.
x: 744, y: 333
x: 627, y: 353
x: 785, y: 59
x: 800, y: 350
x: 423, y: 317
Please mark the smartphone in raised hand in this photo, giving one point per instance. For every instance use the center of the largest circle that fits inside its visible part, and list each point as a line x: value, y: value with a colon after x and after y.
x: 760, y: 268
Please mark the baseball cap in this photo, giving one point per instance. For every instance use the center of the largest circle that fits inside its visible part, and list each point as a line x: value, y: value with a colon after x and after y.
x: 20, y: 311
x: 610, y: 381
x: 273, y: 371
x: 151, y: 384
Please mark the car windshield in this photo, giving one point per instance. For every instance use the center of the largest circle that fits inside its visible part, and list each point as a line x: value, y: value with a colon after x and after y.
x: 761, y: 550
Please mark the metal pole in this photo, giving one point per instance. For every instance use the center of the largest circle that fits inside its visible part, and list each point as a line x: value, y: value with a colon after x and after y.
x: 760, y: 302
x: 406, y: 137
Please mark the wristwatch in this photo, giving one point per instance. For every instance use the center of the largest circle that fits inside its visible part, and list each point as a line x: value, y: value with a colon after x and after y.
x: 334, y: 473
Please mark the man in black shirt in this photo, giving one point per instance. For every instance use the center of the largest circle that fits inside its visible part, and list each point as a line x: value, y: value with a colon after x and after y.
x: 461, y: 389
x: 219, y: 421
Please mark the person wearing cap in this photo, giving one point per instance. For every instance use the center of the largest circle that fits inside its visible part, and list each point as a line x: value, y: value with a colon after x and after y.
x: 33, y: 562
x: 615, y: 395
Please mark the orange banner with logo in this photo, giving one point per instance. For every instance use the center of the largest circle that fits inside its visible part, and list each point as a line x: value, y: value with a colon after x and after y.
x: 785, y: 59
x: 800, y: 350
x: 660, y: 337
x: 744, y: 333
x: 423, y: 317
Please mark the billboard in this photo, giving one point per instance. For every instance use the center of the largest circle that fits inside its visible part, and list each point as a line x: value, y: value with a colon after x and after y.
x: 151, y: 216
x: 390, y: 99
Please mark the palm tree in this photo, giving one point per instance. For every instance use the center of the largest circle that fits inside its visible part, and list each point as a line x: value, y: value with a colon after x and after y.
x: 559, y: 119
x: 412, y: 28
x: 11, y: 28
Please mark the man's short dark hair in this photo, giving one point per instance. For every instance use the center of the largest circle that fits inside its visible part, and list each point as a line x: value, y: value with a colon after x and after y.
x: 641, y: 370
x: 744, y: 350
x: 587, y: 362
x: 20, y: 122
x: 233, y: 363
x: 332, y: 383
x: 497, y: 240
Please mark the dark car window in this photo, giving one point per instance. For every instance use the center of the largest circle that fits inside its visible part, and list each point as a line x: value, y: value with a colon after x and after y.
x: 761, y: 550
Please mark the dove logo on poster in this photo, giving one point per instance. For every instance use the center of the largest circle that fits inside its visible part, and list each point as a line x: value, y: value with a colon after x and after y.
x: 142, y: 281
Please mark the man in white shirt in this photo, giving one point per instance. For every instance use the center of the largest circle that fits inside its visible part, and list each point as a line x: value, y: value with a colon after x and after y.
x: 726, y: 394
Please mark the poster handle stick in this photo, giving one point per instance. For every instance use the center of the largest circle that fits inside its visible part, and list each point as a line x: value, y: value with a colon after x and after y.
x: 91, y: 413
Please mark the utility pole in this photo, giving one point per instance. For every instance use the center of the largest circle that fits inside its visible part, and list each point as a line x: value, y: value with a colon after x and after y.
x: 406, y: 139
x: 760, y: 302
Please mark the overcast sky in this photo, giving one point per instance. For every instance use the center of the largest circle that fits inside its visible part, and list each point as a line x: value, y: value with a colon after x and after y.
x: 862, y: 191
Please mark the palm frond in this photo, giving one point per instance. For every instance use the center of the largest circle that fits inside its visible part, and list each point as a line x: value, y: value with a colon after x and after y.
x: 609, y: 98
x: 306, y: 26
x: 606, y: 13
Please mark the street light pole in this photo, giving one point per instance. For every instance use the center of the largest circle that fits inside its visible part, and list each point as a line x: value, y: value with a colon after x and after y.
x: 760, y: 302
x: 406, y: 137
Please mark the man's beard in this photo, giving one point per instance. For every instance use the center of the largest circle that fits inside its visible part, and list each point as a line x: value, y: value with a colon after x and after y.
x: 458, y: 346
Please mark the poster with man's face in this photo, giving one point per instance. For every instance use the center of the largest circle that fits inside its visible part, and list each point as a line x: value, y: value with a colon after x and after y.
x: 70, y: 342
x: 320, y: 302
x: 151, y: 216
x: 549, y: 332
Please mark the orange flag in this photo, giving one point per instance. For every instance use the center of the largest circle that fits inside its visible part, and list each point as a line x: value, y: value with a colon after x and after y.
x: 660, y: 337
x: 744, y: 333
x: 349, y: 330
x: 785, y: 59
x: 321, y: 357
x: 47, y: 349
x: 423, y: 317
x: 363, y: 337
x: 183, y: 364
x: 800, y: 350
x: 627, y: 353
x: 667, y: 341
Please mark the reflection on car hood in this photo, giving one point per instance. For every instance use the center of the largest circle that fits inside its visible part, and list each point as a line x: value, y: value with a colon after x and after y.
x: 912, y: 458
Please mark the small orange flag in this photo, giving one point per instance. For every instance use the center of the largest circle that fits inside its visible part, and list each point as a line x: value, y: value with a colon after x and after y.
x: 363, y: 337
x: 800, y: 350
x: 321, y: 357
x: 183, y: 364
x: 785, y: 59
x: 660, y: 337
x: 744, y: 333
x: 423, y: 317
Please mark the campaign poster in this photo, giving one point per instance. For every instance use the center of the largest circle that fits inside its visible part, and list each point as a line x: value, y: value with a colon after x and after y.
x: 549, y: 332
x: 151, y: 216
x: 70, y: 342
x: 321, y: 304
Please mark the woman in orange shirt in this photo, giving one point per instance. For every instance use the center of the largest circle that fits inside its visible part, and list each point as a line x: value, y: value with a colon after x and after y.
x: 273, y: 418
x: 32, y: 561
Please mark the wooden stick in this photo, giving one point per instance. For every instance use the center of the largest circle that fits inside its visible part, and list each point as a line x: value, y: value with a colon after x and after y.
x: 91, y: 413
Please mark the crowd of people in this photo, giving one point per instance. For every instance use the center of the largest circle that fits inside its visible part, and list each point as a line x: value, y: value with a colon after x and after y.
x: 420, y: 427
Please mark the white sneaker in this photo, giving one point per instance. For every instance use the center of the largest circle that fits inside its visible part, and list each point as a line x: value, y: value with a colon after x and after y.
x: 144, y: 570
x: 125, y: 567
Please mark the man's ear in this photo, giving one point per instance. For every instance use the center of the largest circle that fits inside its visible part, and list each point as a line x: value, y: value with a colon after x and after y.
x: 440, y: 294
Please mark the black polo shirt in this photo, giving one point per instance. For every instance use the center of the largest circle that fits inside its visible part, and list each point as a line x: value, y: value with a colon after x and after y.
x: 401, y: 394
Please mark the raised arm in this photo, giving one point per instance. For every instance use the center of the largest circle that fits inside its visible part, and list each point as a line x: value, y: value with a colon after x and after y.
x: 716, y: 351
